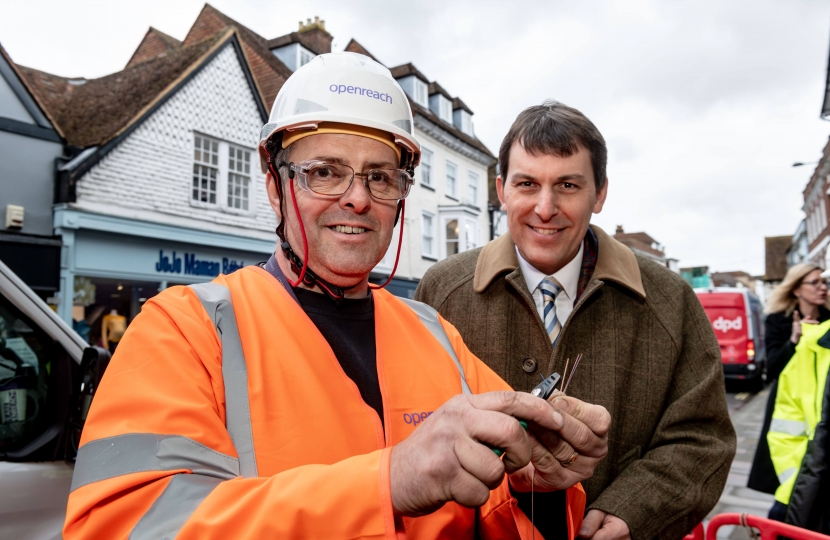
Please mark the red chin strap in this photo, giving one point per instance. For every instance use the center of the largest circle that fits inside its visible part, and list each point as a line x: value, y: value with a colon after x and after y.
x: 302, y: 231
x: 398, y: 254
x: 305, y: 243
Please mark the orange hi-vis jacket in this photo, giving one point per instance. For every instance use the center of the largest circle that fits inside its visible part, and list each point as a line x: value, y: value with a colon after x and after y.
x: 225, y: 414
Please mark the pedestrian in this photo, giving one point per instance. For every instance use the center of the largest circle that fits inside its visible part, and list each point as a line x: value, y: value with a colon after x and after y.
x: 801, y: 298
x: 291, y: 400
x: 554, y: 287
x: 798, y: 435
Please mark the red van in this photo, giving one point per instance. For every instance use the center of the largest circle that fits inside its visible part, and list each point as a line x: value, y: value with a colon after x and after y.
x: 736, y: 317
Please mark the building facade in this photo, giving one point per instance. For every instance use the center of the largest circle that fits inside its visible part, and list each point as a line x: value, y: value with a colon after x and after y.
x: 30, y: 145
x: 171, y: 195
x: 815, y: 209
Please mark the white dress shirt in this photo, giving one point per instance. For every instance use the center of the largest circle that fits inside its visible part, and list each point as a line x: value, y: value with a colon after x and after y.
x: 567, y: 276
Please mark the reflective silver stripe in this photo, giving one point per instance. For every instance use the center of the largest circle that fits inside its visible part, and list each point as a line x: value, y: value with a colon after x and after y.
x: 786, y: 475
x: 137, y: 452
x: 171, y: 510
x: 790, y: 427
x: 216, y: 299
x: 429, y: 318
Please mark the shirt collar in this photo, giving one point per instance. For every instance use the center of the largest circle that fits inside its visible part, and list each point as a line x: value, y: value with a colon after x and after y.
x: 567, y: 276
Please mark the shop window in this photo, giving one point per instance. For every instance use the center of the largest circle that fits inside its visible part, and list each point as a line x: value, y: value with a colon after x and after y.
x: 205, y: 169
x: 239, y: 177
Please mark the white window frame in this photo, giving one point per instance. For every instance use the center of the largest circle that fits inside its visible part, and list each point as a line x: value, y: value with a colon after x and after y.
x: 304, y: 56
x: 469, y: 234
x: 466, y: 123
x: 419, y: 91
x: 428, y: 234
x: 454, y: 193
x: 472, y: 188
x: 202, y: 167
x: 445, y: 109
x: 427, y: 167
x: 223, y: 177
x: 242, y: 176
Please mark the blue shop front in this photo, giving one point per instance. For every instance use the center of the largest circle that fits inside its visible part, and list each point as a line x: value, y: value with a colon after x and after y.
x: 110, y: 266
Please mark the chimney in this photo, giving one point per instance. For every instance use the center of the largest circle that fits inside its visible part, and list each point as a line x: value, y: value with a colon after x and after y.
x: 619, y: 230
x: 314, y: 36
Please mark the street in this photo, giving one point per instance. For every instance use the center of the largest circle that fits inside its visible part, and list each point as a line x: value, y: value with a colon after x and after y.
x: 747, y: 412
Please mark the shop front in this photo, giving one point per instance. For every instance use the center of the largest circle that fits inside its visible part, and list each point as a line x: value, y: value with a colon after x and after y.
x: 110, y: 266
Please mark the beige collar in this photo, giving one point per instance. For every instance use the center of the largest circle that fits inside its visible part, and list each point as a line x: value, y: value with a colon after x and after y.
x: 615, y: 262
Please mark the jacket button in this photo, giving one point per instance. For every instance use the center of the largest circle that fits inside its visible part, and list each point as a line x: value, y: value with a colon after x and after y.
x: 529, y: 365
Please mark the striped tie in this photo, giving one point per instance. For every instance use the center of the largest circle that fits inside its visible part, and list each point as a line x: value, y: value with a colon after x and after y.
x: 550, y: 288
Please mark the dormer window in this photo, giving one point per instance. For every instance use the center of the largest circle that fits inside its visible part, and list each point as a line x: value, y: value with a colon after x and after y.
x: 463, y: 121
x: 294, y: 56
x: 420, y: 94
x: 446, y: 109
x: 441, y: 106
x: 416, y: 89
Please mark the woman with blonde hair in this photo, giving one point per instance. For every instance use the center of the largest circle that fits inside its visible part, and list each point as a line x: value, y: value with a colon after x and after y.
x: 800, y: 299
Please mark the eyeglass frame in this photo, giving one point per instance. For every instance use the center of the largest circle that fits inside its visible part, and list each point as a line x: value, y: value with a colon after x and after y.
x: 816, y: 283
x: 302, y: 179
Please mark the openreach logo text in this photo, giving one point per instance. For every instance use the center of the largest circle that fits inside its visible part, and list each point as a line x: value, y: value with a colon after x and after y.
x: 725, y: 325
x: 358, y: 91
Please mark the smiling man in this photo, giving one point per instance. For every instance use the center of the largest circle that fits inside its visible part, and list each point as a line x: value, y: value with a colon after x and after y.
x: 291, y: 400
x: 556, y: 287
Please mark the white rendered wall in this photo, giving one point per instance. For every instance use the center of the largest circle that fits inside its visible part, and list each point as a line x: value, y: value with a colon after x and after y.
x: 149, y: 175
x: 413, y: 265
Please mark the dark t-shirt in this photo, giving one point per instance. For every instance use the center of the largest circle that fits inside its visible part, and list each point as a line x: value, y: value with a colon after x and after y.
x: 349, y: 327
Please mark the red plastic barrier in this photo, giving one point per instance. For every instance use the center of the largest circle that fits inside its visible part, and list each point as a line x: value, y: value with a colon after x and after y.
x: 769, y: 529
x: 696, y: 534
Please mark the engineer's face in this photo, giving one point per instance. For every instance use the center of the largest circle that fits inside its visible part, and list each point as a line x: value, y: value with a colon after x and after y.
x: 338, y: 257
x: 549, y: 201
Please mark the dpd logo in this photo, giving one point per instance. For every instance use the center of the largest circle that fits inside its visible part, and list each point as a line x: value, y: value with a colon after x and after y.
x: 725, y: 325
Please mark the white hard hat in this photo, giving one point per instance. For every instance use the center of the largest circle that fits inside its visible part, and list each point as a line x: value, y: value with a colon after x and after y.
x: 343, y: 88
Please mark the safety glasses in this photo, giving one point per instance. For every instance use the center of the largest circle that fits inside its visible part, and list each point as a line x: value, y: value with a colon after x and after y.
x: 335, y: 179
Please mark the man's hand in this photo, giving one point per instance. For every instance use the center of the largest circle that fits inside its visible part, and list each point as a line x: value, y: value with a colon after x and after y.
x: 446, y: 457
x: 583, y: 429
x: 598, y: 525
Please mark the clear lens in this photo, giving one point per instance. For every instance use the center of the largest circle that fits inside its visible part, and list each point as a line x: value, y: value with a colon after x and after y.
x: 335, y: 179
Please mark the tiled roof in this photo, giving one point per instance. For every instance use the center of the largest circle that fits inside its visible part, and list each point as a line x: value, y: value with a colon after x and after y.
x: 435, y: 88
x: 458, y: 104
x: 296, y: 37
x: 775, y: 257
x: 154, y: 43
x: 356, y: 47
x: 450, y: 128
x: 98, y: 110
x: 407, y: 69
x: 269, y: 72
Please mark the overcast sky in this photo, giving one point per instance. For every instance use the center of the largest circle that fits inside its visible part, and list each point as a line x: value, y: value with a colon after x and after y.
x: 704, y: 105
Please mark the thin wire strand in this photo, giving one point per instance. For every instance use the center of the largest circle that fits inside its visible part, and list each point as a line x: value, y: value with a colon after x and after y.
x: 573, y: 369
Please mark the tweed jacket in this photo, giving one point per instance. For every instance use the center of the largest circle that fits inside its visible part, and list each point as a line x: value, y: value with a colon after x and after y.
x: 649, y: 357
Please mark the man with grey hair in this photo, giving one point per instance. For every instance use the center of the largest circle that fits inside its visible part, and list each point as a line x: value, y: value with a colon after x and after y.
x: 554, y: 288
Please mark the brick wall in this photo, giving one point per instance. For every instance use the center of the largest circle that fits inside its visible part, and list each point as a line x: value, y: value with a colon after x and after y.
x: 149, y: 175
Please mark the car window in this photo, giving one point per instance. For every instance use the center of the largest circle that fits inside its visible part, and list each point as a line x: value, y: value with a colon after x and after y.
x: 25, y: 363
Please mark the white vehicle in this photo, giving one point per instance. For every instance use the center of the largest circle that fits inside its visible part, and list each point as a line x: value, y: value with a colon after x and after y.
x: 47, y: 377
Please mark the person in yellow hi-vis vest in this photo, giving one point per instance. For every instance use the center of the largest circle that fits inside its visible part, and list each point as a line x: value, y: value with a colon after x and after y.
x: 797, y: 436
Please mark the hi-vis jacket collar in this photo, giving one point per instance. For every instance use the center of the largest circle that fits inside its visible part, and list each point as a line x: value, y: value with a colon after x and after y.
x: 615, y: 262
x: 816, y: 336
